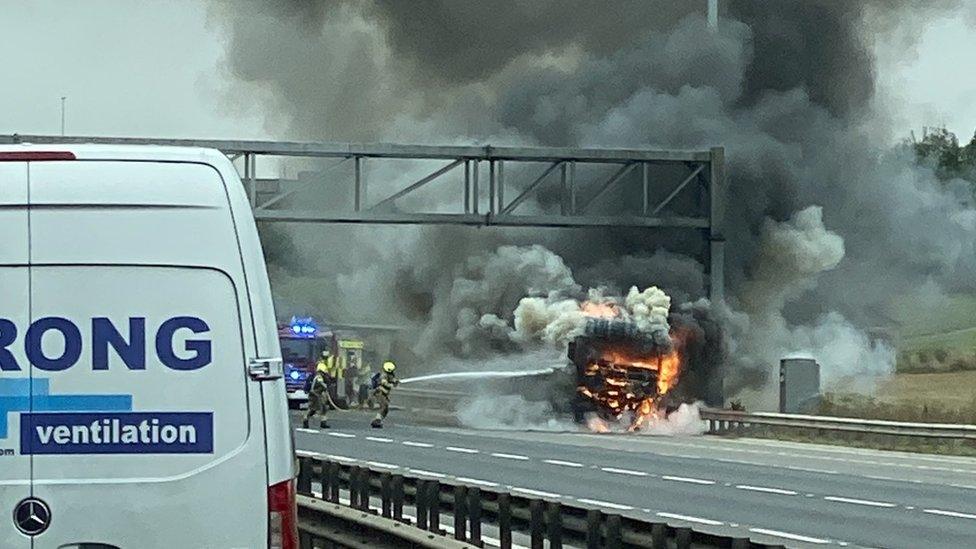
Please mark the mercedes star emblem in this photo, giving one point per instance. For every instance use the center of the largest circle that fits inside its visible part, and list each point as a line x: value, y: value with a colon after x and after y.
x: 32, y: 516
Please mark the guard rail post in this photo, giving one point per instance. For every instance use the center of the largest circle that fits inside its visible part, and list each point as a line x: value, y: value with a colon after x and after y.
x: 420, y: 502
x: 398, y: 497
x: 594, y: 538
x: 334, y: 472
x: 659, y: 536
x: 434, y: 506
x: 385, y: 507
x: 305, y: 475
x: 614, y: 532
x: 323, y: 477
x: 474, y: 516
x: 351, y: 485
x: 536, y: 524
x: 365, y: 487
x: 504, y: 521
x: 555, y: 525
x: 460, y: 512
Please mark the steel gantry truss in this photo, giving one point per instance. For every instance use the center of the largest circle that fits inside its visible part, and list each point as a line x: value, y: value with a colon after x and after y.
x: 698, y: 173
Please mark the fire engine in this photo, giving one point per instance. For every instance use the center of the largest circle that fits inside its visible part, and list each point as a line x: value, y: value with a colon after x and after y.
x: 301, y: 344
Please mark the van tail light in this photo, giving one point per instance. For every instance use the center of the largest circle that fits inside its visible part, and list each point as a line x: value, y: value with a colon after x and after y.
x: 35, y: 156
x: 282, y: 516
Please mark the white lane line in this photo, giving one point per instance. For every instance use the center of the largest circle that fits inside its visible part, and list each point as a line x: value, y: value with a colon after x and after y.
x: 811, y: 470
x: 965, y: 486
x: 787, y: 535
x: 766, y: 490
x: 304, y: 430
x: 867, y: 502
x: 428, y: 473
x: 949, y: 513
x: 417, y: 444
x: 606, y: 504
x: 379, y: 439
x: 688, y: 480
x: 562, y: 463
x: 476, y: 481
x: 462, y: 450
x: 687, y: 518
x: 616, y: 471
x: 510, y: 456
x: 342, y: 435
x: 534, y: 492
x: 382, y: 465
x: 341, y: 458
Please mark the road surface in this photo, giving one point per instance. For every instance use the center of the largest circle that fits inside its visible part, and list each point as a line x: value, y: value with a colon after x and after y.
x: 799, y: 495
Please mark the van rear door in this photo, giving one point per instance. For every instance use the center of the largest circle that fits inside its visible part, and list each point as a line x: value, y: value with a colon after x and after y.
x: 136, y: 285
x: 14, y: 371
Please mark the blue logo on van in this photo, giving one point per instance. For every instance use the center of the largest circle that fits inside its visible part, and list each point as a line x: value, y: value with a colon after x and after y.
x: 105, y: 334
x: 15, y: 397
x: 97, y: 424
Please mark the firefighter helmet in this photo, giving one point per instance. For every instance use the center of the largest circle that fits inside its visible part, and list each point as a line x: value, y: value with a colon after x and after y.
x: 389, y: 367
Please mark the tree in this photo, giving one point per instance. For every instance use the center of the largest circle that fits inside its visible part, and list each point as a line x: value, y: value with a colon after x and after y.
x: 939, y: 149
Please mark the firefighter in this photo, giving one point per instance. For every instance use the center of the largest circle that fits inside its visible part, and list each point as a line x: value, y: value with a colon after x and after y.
x: 318, y: 395
x: 383, y: 384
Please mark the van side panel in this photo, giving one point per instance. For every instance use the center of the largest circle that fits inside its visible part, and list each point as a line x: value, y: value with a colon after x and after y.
x: 140, y: 261
x: 14, y: 373
x: 278, y: 431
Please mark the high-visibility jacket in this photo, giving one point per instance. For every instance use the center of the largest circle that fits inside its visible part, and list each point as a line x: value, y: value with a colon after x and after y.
x: 331, y: 366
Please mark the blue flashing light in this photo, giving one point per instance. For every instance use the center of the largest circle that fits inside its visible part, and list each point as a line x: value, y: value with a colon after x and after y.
x: 303, y: 326
x: 295, y: 374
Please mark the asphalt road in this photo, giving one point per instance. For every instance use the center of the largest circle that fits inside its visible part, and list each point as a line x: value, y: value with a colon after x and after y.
x: 799, y: 495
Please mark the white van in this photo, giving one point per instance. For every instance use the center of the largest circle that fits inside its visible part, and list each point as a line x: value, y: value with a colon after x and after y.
x: 141, y: 397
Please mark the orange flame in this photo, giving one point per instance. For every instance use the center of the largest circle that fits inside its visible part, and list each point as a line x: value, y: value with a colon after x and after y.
x: 600, y: 310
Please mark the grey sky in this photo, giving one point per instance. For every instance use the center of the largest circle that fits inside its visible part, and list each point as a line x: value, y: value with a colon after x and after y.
x: 154, y: 69
x: 128, y: 68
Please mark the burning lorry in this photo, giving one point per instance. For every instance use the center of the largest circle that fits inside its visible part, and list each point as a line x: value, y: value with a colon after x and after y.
x: 623, y: 373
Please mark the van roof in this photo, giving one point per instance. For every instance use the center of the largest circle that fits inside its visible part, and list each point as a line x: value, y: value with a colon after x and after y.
x: 91, y: 151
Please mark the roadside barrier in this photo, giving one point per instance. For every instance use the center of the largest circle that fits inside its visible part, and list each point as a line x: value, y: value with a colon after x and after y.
x: 351, y: 505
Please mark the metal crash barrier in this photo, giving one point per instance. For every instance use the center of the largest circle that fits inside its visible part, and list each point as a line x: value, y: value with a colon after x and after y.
x: 342, y: 504
x: 733, y: 422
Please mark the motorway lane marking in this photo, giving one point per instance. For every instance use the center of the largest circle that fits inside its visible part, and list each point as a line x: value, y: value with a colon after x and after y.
x: 341, y: 458
x: 562, y: 463
x: 382, y: 465
x: 428, y: 473
x: 867, y: 502
x: 623, y: 471
x: 531, y: 492
x: 787, y: 535
x: 688, y: 480
x: 476, y: 481
x: 304, y: 430
x: 949, y: 513
x: 341, y: 435
x: 766, y: 490
x: 606, y: 504
x: 510, y: 456
x: 688, y: 518
x: 417, y: 444
x: 462, y: 450
x: 811, y: 470
x: 965, y: 486
x: 379, y: 439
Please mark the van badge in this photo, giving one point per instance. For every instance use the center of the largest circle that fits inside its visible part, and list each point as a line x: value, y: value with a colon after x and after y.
x: 32, y: 516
